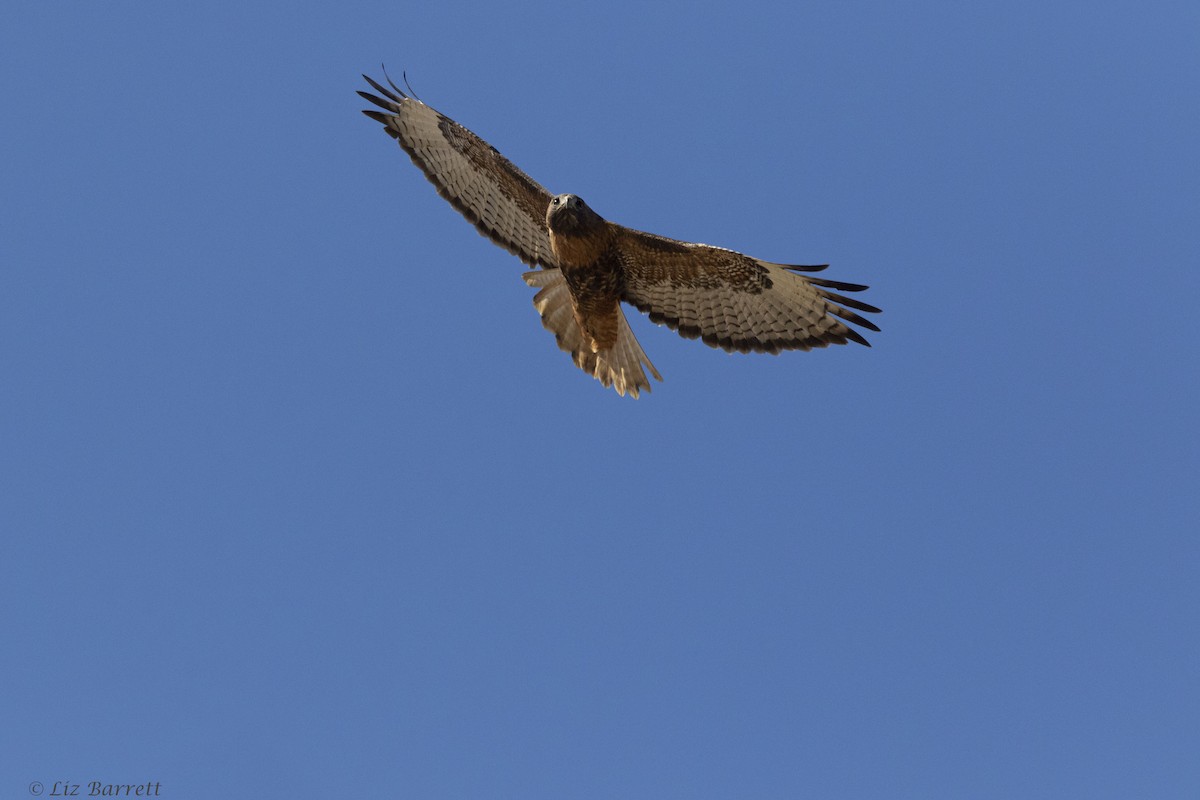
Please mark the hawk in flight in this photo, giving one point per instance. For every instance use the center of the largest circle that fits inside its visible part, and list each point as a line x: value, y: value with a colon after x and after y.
x: 585, y: 266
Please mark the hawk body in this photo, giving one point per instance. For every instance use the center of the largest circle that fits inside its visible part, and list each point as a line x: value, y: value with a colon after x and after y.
x: 586, y: 266
x: 583, y: 244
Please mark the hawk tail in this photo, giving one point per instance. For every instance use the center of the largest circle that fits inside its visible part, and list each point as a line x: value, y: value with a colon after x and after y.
x: 619, y: 367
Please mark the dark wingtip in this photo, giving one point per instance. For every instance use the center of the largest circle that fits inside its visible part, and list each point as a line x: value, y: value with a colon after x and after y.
x: 839, y: 285
x: 399, y: 92
x: 850, y: 302
x: 379, y: 101
x: 399, y: 97
x: 805, y: 267
x: 407, y: 85
x: 850, y: 316
x: 863, y: 321
x: 855, y: 336
x: 391, y: 82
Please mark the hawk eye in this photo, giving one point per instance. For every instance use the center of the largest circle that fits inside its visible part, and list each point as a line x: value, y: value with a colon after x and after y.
x: 554, y: 202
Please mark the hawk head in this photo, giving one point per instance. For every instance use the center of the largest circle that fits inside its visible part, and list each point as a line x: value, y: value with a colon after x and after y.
x: 568, y: 214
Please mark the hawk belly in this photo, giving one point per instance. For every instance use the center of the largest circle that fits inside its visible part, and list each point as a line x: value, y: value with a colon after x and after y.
x: 593, y: 276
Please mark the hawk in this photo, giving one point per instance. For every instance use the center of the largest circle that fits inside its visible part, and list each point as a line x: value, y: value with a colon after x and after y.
x: 585, y: 266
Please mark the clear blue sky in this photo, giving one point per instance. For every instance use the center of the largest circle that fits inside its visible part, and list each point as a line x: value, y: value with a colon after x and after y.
x: 298, y: 499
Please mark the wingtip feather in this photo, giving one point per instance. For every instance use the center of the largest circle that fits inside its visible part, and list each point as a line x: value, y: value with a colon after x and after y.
x: 375, y: 115
x: 855, y: 336
x: 841, y: 286
x: 396, y: 97
x: 386, y: 105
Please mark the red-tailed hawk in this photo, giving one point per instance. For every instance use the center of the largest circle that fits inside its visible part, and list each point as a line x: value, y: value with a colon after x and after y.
x: 589, y: 266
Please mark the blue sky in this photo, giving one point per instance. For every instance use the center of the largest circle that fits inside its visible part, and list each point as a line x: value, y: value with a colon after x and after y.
x: 299, y: 499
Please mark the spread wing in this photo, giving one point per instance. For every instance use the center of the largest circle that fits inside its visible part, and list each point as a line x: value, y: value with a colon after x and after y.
x: 504, y: 203
x: 733, y: 301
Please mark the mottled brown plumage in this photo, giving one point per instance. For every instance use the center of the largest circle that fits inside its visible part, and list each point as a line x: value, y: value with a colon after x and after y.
x: 588, y: 266
x: 583, y: 244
